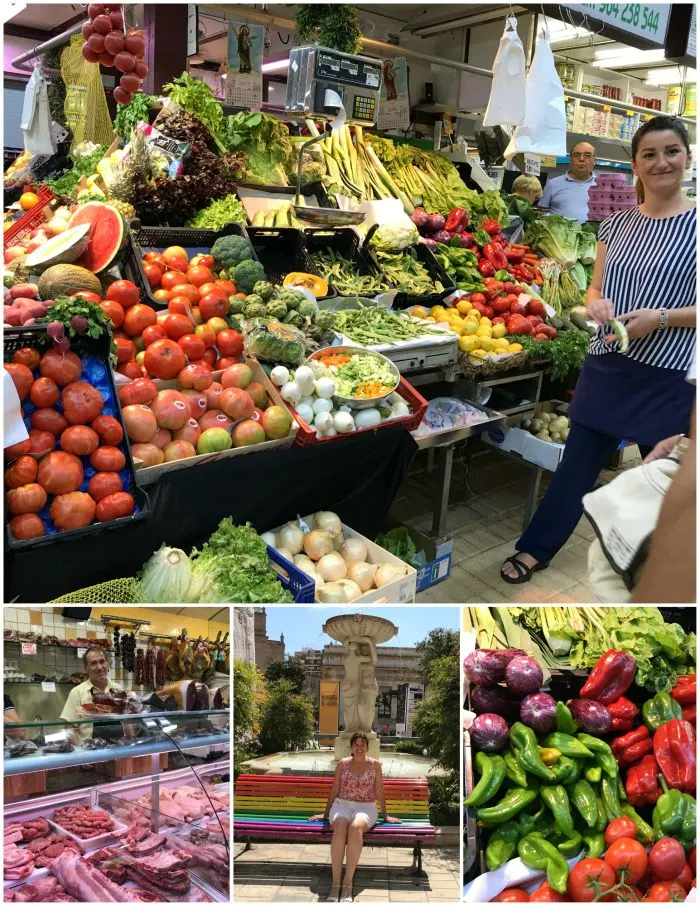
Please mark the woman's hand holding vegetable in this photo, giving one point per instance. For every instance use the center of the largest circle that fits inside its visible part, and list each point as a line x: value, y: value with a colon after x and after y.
x: 601, y: 311
x: 639, y: 324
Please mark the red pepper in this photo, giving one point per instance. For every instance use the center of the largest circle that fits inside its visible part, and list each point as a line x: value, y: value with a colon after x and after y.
x: 642, y: 783
x: 685, y: 690
x: 493, y: 253
x: 475, y: 250
x: 632, y: 746
x: 456, y: 220
x: 689, y: 713
x: 623, y: 713
x: 486, y: 269
x: 515, y: 256
x: 492, y: 227
x: 610, y: 678
x: 674, y: 748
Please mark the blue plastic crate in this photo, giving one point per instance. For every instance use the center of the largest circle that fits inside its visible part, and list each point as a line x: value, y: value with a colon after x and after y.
x: 292, y: 578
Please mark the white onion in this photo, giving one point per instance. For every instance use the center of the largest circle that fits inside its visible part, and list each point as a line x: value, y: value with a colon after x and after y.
x: 331, y: 432
x: 325, y: 388
x: 331, y: 593
x: 323, y: 422
x: 318, y: 580
x: 279, y: 375
x: 388, y: 573
x: 292, y: 537
x: 354, y: 549
x: 325, y: 521
x: 269, y: 538
x: 363, y: 574
x: 351, y: 589
x: 305, y: 564
x: 321, y: 405
x: 283, y: 552
x: 305, y: 379
x: 332, y: 567
x: 305, y: 411
x: 291, y: 392
x: 317, y: 544
x: 343, y: 422
x: 367, y: 418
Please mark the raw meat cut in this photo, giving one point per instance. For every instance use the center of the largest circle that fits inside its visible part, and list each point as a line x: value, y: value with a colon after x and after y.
x: 13, y: 833
x: 146, y: 846
x: 43, y: 890
x: 47, y: 848
x: 86, y: 882
x: 18, y: 863
x: 31, y: 829
x: 106, y: 861
x: 83, y: 821
x: 215, y: 828
x: 211, y: 859
x: 162, y: 872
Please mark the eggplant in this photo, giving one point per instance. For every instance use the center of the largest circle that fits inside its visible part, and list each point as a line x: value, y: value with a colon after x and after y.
x: 489, y: 733
x: 539, y: 712
x: 487, y: 666
x: 495, y: 700
x: 524, y: 676
x: 591, y: 716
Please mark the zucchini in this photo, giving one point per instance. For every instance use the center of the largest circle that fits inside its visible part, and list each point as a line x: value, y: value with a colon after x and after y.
x: 578, y: 320
x: 620, y: 332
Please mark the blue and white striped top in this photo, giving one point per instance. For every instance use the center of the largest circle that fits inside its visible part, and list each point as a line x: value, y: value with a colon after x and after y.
x: 651, y: 263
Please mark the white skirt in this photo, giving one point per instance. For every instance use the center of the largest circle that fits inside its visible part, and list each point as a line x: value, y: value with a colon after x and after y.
x: 346, y: 808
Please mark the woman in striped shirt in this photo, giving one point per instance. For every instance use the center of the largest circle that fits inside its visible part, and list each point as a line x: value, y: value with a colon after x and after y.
x: 645, y: 277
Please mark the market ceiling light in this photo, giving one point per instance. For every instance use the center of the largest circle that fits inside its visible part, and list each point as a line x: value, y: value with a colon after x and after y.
x: 562, y: 31
x: 617, y: 59
x: 276, y: 66
x: 671, y: 76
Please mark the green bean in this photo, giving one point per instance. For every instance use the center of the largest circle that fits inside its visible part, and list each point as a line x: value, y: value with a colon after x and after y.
x: 375, y: 325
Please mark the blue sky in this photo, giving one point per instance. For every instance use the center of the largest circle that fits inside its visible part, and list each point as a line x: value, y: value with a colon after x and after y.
x: 302, y: 626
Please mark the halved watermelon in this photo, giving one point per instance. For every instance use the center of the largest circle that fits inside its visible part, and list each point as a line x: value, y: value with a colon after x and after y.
x: 107, y: 235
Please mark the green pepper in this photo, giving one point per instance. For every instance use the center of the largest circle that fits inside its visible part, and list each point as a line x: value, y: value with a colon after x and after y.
x: 493, y: 772
x: 602, y: 818
x: 550, y: 756
x: 537, y: 822
x: 602, y: 753
x: 674, y: 815
x: 536, y: 852
x: 621, y: 791
x: 502, y: 845
x: 565, y: 722
x: 562, y: 771
x: 595, y: 844
x: 524, y: 742
x: 576, y: 770
x: 567, y: 745
x: 645, y: 833
x: 585, y: 802
x: 593, y: 774
x: 659, y: 710
x: 609, y: 797
x: 514, y: 772
x: 557, y: 801
x: 512, y: 803
x: 572, y: 846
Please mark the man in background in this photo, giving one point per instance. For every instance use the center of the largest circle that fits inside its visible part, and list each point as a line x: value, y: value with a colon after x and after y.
x: 567, y: 195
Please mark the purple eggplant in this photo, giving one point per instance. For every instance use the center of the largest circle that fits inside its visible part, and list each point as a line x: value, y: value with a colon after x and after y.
x: 591, y: 716
x: 539, y: 712
x: 435, y: 223
x: 429, y: 243
x: 489, y: 733
x: 486, y: 666
x: 443, y: 237
x: 495, y: 700
x: 524, y: 676
x: 420, y: 218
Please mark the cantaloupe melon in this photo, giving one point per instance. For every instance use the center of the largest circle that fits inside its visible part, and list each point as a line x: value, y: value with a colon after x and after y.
x: 62, y: 249
x: 66, y: 279
x: 107, y: 235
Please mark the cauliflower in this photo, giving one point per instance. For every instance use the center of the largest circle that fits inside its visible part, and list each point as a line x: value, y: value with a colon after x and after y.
x: 246, y: 274
x: 254, y: 310
x: 307, y: 309
x: 277, y: 309
x: 229, y: 251
x: 393, y: 236
x: 264, y: 289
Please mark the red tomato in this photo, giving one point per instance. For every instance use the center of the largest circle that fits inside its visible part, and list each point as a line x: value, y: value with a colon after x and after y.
x: 153, y: 274
x: 132, y: 370
x: 153, y: 333
x: 207, y: 288
x: 164, y: 359
x: 619, y: 828
x: 206, y: 333
x: 89, y: 297
x: 588, y: 878
x: 199, y: 275
x: 171, y: 279
x: 177, y: 326
x: 102, y: 484
x: 666, y: 859
x: 19, y: 449
x: 113, y: 312
x: 28, y: 498
x: 545, y: 894
x: 81, y: 402
x: 214, y: 305
x: 193, y: 346
x: 60, y: 472
x: 115, y: 506
x: 138, y: 318
x: 80, y: 439
x: 229, y: 342
x: 162, y: 295
x: 22, y: 378
x: 27, y: 356
x: 228, y: 287
x: 63, y: 368
x: 26, y: 527
x: 124, y: 292
x: 203, y: 260
x: 22, y: 471
x: 108, y: 459
x: 685, y: 877
x: 628, y: 856
x: 512, y: 895
x: 108, y: 429
x: 142, y: 390
x: 44, y: 393
x: 209, y: 357
x: 181, y: 305
x: 225, y: 362
x: 479, y: 298
x: 155, y: 258
x: 174, y: 253
x: 125, y: 350
x: 624, y: 896
x: 691, y: 859
x: 40, y: 442
x: 72, y: 511
x: 195, y: 377
x: 140, y: 422
x: 665, y: 892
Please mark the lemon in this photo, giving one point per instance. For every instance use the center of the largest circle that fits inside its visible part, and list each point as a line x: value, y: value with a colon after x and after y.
x: 419, y: 312
x: 478, y: 354
x: 436, y: 309
x: 441, y: 317
x: 456, y: 328
x: 515, y: 347
x: 484, y: 332
x: 498, y: 331
x: 500, y: 346
x: 453, y: 314
x: 468, y: 344
x: 469, y: 327
x: 485, y: 321
x: 464, y: 306
x: 486, y: 344
x: 430, y: 320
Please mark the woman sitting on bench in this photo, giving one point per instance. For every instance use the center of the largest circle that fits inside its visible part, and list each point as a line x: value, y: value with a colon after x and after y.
x: 351, y: 811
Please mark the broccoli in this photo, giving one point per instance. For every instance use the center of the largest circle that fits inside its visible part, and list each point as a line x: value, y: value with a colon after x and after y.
x: 246, y: 275
x: 228, y: 251
x: 324, y: 320
x: 254, y: 298
x: 264, y: 289
x: 277, y: 309
x: 294, y: 318
x: 307, y: 308
x: 254, y: 310
x: 236, y: 305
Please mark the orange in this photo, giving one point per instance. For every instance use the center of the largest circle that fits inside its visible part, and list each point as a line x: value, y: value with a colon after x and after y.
x: 28, y: 200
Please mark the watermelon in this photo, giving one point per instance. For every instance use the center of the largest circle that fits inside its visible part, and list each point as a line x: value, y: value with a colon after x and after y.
x: 107, y: 235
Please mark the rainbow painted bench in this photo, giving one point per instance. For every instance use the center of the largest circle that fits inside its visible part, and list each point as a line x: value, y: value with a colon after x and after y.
x: 274, y: 806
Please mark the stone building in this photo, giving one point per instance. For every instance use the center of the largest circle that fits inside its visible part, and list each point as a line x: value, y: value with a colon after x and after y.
x: 244, y: 634
x: 266, y: 649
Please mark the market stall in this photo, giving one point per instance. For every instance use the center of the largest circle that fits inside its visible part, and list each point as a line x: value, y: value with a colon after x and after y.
x: 116, y: 775
x: 579, y: 730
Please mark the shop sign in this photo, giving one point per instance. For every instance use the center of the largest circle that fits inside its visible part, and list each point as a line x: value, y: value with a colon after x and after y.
x: 548, y: 161
x: 29, y: 648
x: 532, y: 164
x: 244, y: 81
x: 645, y: 20
x: 394, y: 105
x: 48, y: 687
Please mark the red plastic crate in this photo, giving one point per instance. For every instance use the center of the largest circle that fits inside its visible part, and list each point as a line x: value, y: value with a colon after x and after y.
x: 306, y: 435
x: 29, y: 221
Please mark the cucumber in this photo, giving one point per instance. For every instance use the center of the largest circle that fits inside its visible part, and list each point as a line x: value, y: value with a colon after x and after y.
x: 620, y: 332
x: 557, y: 323
x: 578, y: 320
x: 565, y: 325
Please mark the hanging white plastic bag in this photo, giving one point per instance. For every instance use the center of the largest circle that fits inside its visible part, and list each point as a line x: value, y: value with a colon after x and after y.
x: 507, y: 101
x: 543, y: 130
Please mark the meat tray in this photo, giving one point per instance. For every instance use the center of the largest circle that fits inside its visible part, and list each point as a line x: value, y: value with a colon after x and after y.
x: 92, y: 843
x: 34, y: 876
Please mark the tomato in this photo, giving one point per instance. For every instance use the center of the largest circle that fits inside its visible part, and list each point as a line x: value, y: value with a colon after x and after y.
x: 666, y: 859
x: 27, y: 356
x: 162, y: 295
x: 115, y: 506
x: 26, y: 527
x: 164, y: 359
x: 140, y: 422
x: 22, y: 378
x: 199, y: 275
x: 104, y: 483
x: 174, y: 252
x: 628, y: 856
x: 142, y: 390
x: 80, y: 439
x: 108, y: 459
x: 190, y: 432
x: 193, y: 346
x: 160, y: 439
x: 132, y: 370
x: 174, y: 281
x: 28, y: 498
x: 691, y: 859
x: 619, y: 828
x: 188, y: 291
x: 113, y: 312
x: 153, y: 274
x: 124, y: 292
x: 624, y: 896
x: 60, y: 472
x: 512, y: 895
x: 22, y: 471
x: 477, y: 298
x: 207, y: 288
x: 177, y: 326
x: 195, y: 377
x: 18, y: 449
x: 588, y: 878
x: 154, y: 257
x: 214, y: 305
x: 40, y: 442
x: 545, y: 894
x: 125, y: 350
x: 665, y: 892
x: 63, y: 368
x: 209, y: 357
x: 228, y: 287
x: 44, y: 393
x: 88, y: 296
x: 217, y: 324
x: 206, y: 333
x: 148, y: 454
x: 81, y: 402
x: 153, y: 333
x: 171, y: 409
x: 685, y: 877
x: 138, y: 318
x: 181, y: 305
x: 108, y: 429
x: 72, y: 511
x: 229, y: 342
x: 203, y: 260
x: 224, y: 362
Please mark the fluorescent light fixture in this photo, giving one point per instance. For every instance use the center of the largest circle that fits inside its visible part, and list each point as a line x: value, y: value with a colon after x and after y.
x: 276, y: 66
x: 671, y: 76
x: 563, y: 31
x: 620, y: 58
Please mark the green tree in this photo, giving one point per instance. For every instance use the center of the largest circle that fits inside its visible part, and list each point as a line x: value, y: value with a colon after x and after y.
x: 246, y: 713
x: 291, y: 669
x: 437, y: 719
x: 438, y: 644
x: 286, y: 719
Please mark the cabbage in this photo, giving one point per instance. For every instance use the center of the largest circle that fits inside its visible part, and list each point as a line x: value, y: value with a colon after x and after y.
x: 587, y: 245
x: 167, y: 577
x: 556, y: 237
x: 578, y: 275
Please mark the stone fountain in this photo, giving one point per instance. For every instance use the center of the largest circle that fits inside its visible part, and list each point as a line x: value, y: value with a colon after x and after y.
x: 359, y: 634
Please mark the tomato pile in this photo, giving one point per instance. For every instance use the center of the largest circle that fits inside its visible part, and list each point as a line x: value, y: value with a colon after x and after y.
x: 69, y: 473
x: 501, y: 302
x: 107, y: 42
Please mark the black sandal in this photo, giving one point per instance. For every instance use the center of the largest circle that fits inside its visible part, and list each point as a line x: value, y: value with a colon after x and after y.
x: 524, y: 572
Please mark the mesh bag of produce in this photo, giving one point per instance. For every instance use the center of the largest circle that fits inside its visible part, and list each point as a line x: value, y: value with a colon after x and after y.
x: 116, y: 591
x: 275, y: 342
x: 85, y: 106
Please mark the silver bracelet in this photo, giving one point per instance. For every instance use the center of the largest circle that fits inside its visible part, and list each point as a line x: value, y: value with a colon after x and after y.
x: 663, y: 319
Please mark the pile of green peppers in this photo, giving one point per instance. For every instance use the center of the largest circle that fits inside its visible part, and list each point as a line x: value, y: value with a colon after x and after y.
x: 461, y: 265
x: 550, y: 799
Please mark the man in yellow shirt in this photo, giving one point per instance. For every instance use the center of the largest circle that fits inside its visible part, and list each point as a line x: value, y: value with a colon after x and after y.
x: 95, y: 661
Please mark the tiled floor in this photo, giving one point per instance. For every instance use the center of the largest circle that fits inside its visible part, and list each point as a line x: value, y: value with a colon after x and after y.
x: 485, y: 519
x: 298, y: 872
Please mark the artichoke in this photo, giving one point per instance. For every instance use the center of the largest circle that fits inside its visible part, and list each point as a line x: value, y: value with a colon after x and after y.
x: 291, y: 298
x: 254, y: 299
x: 307, y: 309
x: 264, y: 289
x: 276, y: 309
x: 324, y: 320
x: 294, y: 318
x: 254, y: 309
x: 236, y: 305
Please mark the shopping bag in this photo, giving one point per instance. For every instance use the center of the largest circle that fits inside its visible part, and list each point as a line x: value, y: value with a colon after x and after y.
x: 543, y: 130
x: 506, y: 105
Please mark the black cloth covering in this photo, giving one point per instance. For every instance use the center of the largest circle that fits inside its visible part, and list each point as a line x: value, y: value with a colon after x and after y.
x: 355, y: 477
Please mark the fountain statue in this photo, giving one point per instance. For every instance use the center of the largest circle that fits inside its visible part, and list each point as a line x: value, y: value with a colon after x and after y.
x: 360, y: 634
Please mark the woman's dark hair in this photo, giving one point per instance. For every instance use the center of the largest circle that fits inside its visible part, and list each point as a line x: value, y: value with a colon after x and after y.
x: 658, y: 124
x: 356, y: 736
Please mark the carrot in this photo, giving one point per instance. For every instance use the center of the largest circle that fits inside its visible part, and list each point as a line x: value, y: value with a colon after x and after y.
x: 336, y: 359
